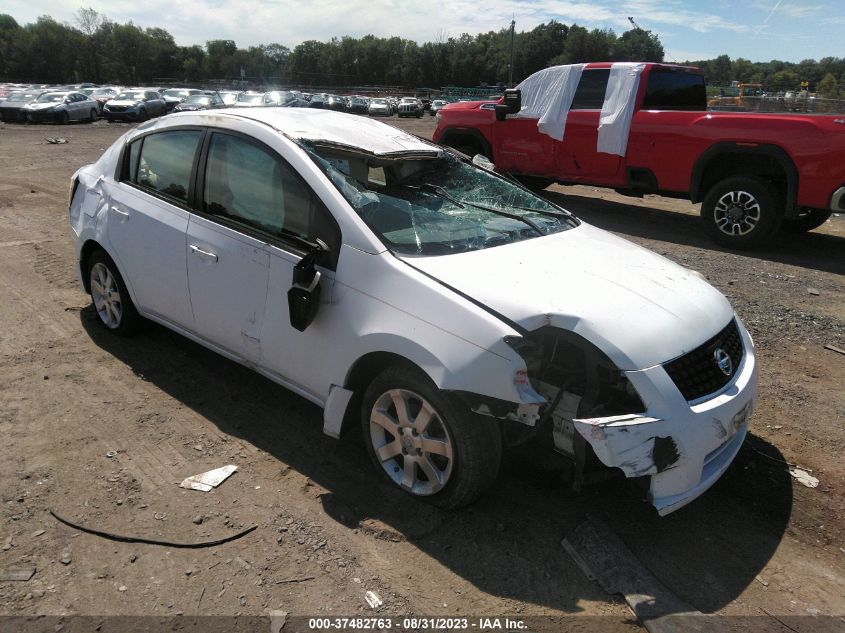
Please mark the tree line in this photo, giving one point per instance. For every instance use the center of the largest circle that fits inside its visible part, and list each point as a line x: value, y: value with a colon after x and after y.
x: 100, y: 50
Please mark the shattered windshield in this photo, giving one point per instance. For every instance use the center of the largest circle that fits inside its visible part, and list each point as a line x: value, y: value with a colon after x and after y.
x: 437, y: 204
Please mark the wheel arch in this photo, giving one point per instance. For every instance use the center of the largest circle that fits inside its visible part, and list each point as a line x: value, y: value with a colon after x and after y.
x: 730, y: 158
x: 460, y: 137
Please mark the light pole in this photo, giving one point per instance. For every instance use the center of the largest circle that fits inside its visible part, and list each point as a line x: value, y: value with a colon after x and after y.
x: 510, y: 66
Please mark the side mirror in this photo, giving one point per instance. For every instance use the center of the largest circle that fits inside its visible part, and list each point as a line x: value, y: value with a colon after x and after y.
x: 511, y: 104
x: 304, y: 294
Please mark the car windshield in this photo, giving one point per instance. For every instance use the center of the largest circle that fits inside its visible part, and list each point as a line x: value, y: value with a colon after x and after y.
x: 88, y: 91
x: 408, y: 100
x: 22, y: 96
x: 198, y: 100
x: 52, y: 97
x: 251, y: 98
x: 437, y: 204
x: 175, y: 93
x: 378, y: 102
x: 130, y: 96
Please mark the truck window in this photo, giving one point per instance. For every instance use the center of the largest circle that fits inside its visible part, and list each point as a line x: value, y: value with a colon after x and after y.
x: 590, y: 92
x: 674, y: 90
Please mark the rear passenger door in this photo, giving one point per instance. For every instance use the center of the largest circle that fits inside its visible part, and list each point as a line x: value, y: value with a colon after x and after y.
x: 147, y: 218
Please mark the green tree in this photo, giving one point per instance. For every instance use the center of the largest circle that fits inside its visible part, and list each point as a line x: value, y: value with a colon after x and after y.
x: 828, y: 87
x: 637, y: 45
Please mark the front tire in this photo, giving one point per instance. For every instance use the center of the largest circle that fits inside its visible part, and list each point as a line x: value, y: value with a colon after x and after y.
x: 742, y: 212
x: 114, y: 307
x: 64, y: 118
x: 423, y: 441
x: 806, y: 220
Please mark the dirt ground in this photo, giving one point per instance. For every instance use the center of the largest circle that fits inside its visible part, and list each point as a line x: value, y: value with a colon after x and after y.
x: 101, y: 430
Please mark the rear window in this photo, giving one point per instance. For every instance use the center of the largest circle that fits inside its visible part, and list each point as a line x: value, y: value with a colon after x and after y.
x: 674, y: 90
x: 590, y: 92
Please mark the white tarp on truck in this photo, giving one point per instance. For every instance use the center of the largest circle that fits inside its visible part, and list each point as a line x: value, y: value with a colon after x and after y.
x: 618, y: 109
x: 547, y: 96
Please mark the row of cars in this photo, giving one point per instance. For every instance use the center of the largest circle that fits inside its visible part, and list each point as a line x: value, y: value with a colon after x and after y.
x: 86, y: 102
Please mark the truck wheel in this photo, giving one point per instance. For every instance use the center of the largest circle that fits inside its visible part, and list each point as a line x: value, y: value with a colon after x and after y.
x: 806, y: 220
x: 742, y: 212
x: 424, y: 442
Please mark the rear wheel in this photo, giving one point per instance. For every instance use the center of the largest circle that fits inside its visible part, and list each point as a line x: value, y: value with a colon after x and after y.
x: 742, y: 212
x: 111, y: 299
x: 92, y: 116
x: 424, y: 442
x: 806, y: 220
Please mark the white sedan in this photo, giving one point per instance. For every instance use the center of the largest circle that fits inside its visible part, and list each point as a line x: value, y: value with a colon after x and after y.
x: 398, y: 285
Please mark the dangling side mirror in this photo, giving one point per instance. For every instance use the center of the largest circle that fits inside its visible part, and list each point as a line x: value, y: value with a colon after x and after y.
x: 304, y: 294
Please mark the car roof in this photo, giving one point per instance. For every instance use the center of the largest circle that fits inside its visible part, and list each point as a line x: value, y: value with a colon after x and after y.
x: 330, y: 128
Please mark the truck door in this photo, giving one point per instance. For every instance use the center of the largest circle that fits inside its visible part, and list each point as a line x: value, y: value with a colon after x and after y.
x: 577, y: 157
x: 521, y: 149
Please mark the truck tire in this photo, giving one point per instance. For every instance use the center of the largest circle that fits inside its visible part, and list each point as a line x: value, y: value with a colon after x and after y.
x: 742, y: 212
x: 806, y: 220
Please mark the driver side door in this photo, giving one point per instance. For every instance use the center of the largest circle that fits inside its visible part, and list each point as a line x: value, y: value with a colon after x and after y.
x: 243, y: 244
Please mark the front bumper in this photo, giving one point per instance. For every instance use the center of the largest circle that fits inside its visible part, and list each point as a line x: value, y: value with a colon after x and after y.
x: 684, y: 448
x: 40, y: 116
x: 123, y: 115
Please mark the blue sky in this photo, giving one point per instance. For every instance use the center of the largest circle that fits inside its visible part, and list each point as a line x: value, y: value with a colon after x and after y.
x: 759, y: 30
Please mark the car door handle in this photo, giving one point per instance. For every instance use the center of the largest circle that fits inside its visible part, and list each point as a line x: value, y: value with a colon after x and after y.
x: 120, y: 212
x: 198, y: 251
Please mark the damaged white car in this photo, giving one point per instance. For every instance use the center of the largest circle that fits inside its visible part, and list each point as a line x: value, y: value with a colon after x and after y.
x: 444, y: 308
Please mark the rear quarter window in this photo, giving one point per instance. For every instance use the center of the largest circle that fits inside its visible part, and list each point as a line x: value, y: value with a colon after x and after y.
x: 669, y: 89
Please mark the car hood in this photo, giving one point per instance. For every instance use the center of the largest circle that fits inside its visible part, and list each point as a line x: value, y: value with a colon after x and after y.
x: 123, y: 102
x: 638, y: 307
x: 43, y: 106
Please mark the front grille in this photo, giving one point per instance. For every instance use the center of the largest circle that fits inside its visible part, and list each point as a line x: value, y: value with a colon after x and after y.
x: 117, y: 108
x: 697, y: 374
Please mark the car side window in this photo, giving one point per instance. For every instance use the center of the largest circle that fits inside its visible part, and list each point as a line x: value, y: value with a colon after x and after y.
x: 164, y: 162
x: 251, y: 185
x: 590, y: 92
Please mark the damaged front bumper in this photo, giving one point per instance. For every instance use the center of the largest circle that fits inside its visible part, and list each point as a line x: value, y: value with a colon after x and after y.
x: 683, y: 447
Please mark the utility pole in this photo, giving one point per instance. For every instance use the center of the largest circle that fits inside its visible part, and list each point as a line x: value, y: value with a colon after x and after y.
x: 510, y: 66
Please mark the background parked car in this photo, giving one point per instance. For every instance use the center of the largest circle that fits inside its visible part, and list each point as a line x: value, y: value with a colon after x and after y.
x: 380, y: 107
x: 358, y: 105
x: 319, y: 101
x: 61, y: 107
x: 229, y: 97
x: 410, y: 106
x: 436, y: 105
x: 174, y: 96
x: 336, y: 103
x: 250, y: 100
x: 200, y: 102
x: 285, y: 99
x: 101, y: 94
x: 134, y: 105
x: 11, y: 108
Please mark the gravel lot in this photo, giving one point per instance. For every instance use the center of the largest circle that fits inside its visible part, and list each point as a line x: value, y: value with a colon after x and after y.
x: 101, y: 429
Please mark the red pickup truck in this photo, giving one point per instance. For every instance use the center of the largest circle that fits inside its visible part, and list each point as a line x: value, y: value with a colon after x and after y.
x: 753, y: 173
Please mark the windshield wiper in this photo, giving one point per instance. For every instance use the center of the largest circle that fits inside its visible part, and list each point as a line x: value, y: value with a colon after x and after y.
x: 437, y: 190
